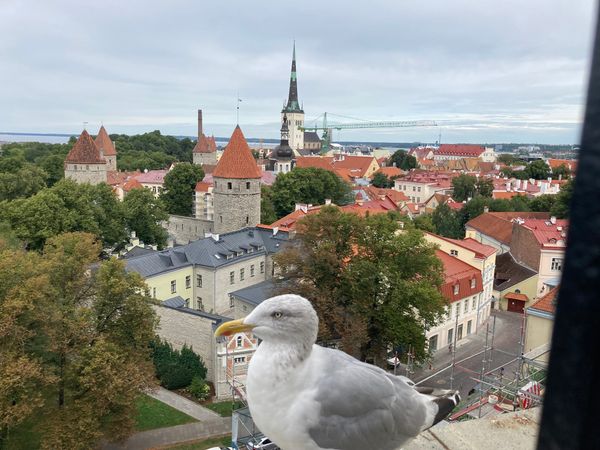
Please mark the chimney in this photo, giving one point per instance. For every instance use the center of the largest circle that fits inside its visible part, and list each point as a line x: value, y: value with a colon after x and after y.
x: 199, y: 123
x: 275, y: 231
x: 518, y: 184
x: 215, y: 237
x: 553, y: 220
x: 486, y: 209
x: 327, y: 201
x: 524, y: 185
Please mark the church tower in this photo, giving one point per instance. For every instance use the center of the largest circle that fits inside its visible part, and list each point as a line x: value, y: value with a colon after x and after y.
x: 293, y: 112
x: 236, y: 191
x: 85, y: 163
x: 107, y: 149
x: 282, y: 155
x: 205, y: 150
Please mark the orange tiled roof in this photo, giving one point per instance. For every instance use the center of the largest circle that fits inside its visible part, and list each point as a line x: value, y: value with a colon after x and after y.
x: 390, y: 171
x: 132, y: 184
x: 505, y: 194
x: 113, y: 177
x: 546, y: 233
x: 203, y: 145
x: 358, y: 164
x: 571, y: 164
x: 461, y: 273
x: 481, y: 250
x: 548, y: 302
x: 498, y: 225
x: 322, y: 162
x: 85, y: 151
x: 467, y: 150
x: 104, y: 143
x: 201, y: 186
x: 515, y: 296
x: 237, y: 160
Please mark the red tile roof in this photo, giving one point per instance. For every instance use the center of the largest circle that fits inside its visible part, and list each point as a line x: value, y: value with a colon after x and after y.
x: 322, y: 162
x: 548, y: 234
x: 461, y: 273
x: 104, y: 143
x: 498, y: 225
x: 515, y: 296
x: 201, y: 186
x: 132, y: 184
x: 347, y: 168
x: 482, y: 251
x: 237, y: 160
x: 203, y: 145
x: 390, y: 171
x: 358, y: 164
x: 505, y: 194
x: 466, y: 150
x: 570, y: 164
x: 152, y: 176
x: 548, y: 302
x: 113, y: 177
x: 85, y: 151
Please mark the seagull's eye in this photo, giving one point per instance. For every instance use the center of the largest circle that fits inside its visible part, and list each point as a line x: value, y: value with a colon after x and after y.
x: 277, y: 315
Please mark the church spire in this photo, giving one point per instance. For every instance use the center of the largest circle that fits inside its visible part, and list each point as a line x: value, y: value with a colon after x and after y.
x: 292, y: 104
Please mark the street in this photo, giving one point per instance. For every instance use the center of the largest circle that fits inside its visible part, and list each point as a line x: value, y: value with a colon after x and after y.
x: 469, y: 356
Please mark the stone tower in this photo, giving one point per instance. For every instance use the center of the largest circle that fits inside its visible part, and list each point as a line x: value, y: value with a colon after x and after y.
x: 293, y: 112
x: 84, y: 163
x: 236, y: 190
x: 107, y: 149
x: 205, y: 150
x: 282, y: 156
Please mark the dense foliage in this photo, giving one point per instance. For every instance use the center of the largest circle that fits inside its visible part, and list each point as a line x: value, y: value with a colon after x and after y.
x: 178, y: 189
x: 468, y: 186
x: 381, y: 180
x: 372, y: 287
x: 307, y: 185
x: 402, y: 160
x: 176, y: 369
x: 74, y: 345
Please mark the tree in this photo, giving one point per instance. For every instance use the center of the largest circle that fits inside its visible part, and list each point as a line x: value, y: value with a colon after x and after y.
x: 143, y: 214
x: 464, y: 187
x: 424, y: 222
x: 178, y: 193
x: 402, y: 160
x: 562, y: 172
x: 371, y: 287
x: 74, y: 349
x: 22, y: 183
x: 542, y: 203
x: 484, y: 187
x: 381, y: 180
x: 174, y: 368
x: 447, y: 222
x: 562, y: 204
x: 538, y: 170
x: 267, y: 212
x: 308, y: 185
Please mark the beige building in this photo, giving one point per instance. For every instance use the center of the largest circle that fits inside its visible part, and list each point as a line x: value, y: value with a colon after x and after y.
x: 516, y: 281
x: 420, y: 191
x: 540, y: 323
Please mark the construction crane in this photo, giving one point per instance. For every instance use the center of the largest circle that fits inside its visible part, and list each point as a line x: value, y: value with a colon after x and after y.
x: 327, y: 128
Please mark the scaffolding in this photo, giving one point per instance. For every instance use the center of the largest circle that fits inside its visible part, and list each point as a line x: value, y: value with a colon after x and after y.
x: 497, y: 391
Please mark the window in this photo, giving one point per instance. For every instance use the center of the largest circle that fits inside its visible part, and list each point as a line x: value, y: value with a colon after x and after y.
x: 239, y: 341
x: 154, y: 292
x: 419, y: 189
x: 456, y: 289
x: 188, y: 282
x: 454, y: 252
x: 247, y: 220
x: 473, y: 283
x: 247, y: 185
x: 433, y: 342
x: 252, y: 270
x: 450, y: 335
x: 456, y: 309
x: 262, y: 267
x: 414, y: 189
x: 556, y: 264
x: 231, y: 301
x: 231, y: 277
x: 242, y: 274
x: 199, y: 304
x: 199, y: 281
x: 459, y: 332
x: 474, y: 304
x: 173, y: 286
x: 229, y: 186
x: 469, y: 323
x: 187, y: 302
x: 239, y: 360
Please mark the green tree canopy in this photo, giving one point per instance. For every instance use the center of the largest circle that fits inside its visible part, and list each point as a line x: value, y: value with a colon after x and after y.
x: 538, y: 170
x: 561, y: 206
x: 562, y: 172
x: 74, y: 346
x: 447, y: 222
x: 143, y: 214
x: 381, y: 180
x: 403, y: 160
x: 178, y: 193
x: 267, y: 211
x: 308, y: 185
x: 372, y: 287
x: 484, y: 187
x: 464, y: 187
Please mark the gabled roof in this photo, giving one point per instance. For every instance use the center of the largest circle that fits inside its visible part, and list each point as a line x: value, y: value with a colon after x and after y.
x: 467, y: 150
x: 85, y: 151
x: 153, y: 176
x: 203, y: 145
x: 104, y: 143
x: 237, y: 160
x: 481, y: 251
x: 322, y: 162
x: 390, y: 171
x: 257, y: 293
x: 358, y: 163
x: 570, y: 164
x: 461, y: 273
x: 498, y: 225
x: 509, y: 272
x: 132, y: 184
x: 547, y: 303
x: 546, y: 233
x: 311, y: 136
x: 201, y: 186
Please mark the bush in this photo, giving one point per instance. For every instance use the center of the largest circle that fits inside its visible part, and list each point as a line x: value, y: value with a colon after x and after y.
x: 199, y: 389
x: 176, y: 369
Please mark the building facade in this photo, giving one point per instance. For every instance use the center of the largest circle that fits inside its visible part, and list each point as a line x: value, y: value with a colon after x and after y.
x: 292, y: 112
x: 85, y: 163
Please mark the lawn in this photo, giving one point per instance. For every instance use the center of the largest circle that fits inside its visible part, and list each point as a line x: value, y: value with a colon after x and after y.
x: 203, y: 445
x: 152, y: 414
x: 222, y: 408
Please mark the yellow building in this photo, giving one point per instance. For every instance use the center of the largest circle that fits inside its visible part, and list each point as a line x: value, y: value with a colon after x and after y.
x: 516, y: 281
x: 540, y: 323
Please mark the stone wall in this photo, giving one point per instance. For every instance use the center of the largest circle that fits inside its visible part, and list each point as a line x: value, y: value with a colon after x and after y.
x: 187, y: 229
x: 205, y: 158
x: 86, y: 173
x: 236, y: 203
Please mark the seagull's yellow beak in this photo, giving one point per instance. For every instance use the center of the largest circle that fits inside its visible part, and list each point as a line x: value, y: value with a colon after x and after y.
x: 232, y: 327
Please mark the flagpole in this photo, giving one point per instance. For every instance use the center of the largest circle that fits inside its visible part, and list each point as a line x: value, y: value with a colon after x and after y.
x: 238, y: 108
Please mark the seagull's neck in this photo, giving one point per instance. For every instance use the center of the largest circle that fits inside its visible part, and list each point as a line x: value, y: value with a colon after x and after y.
x: 285, y: 355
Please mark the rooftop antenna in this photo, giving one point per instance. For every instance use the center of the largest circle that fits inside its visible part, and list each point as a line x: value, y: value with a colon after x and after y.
x: 239, y: 100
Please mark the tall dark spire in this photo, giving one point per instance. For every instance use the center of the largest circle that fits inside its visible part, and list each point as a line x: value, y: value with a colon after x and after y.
x: 292, y: 104
x: 283, y: 150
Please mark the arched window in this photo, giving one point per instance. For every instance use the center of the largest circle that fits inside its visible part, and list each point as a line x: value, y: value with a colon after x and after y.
x: 239, y: 341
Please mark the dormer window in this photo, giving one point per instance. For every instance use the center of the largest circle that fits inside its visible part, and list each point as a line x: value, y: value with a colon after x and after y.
x: 473, y: 283
x: 456, y: 289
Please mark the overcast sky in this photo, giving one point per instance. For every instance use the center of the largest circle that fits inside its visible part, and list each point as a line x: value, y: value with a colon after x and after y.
x: 486, y: 70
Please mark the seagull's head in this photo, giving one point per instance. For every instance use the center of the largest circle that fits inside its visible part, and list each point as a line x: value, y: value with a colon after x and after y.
x: 285, y: 318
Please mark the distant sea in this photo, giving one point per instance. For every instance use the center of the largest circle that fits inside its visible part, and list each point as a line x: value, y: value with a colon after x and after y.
x: 35, y: 137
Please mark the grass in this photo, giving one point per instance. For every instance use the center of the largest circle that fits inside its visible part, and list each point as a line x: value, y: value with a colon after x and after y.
x: 223, y: 408
x: 152, y: 414
x: 23, y: 437
x: 203, y: 445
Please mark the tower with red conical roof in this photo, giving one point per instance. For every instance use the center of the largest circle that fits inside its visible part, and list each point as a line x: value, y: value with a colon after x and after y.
x: 85, y: 163
x: 107, y: 149
x: 236, y: 191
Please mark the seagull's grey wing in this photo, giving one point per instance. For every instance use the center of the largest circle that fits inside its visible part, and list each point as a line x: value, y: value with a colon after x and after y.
x: 363, y: 407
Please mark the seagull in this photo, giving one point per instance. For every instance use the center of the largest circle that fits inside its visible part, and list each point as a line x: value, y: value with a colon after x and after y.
x: 307, y: 397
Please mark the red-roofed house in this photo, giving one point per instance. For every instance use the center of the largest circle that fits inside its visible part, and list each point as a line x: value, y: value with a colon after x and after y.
x: 539, y: 244
x: 458, y: 151
x: 480, y: 256
x: 390, y: 172
x: 153, y: 180
x: 570, y: 164
x: 348, y: 167
x: 463, y: 289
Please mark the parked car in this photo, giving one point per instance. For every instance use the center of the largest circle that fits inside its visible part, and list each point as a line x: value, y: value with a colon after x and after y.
x: 263, y: 444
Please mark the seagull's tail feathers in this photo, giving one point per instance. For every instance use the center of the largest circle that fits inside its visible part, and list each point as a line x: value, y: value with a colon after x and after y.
x: 445, y: 400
